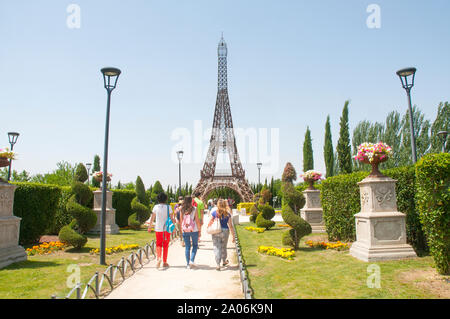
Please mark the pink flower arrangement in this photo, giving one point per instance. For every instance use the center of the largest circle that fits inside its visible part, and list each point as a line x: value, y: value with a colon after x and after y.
x: 99, y: 176
x: 368, y: 152
x: 311, y: 175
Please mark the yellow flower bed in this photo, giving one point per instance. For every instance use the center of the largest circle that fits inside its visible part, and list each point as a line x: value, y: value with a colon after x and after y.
x: 255, y: 229
x: 46, y: 248
x: 247, y: 207
x: 284, y: 225
x: 286, y: 253
x: 115, y: 249
x: 325, y: 245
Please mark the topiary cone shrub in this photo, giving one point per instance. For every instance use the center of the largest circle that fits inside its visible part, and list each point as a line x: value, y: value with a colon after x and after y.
x: 267, y: 211
x: 254, y: 213
x: 139, y: 206
x: 263, y: 219
x: 299, y: 228
x: 293, y: 201
x: 84, y: 217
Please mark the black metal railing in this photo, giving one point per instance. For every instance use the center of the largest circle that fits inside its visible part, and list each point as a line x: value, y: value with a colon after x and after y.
x: 246, y: 289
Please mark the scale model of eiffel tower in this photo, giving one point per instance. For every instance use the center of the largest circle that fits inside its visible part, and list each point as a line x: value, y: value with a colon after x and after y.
x: 223, y: 140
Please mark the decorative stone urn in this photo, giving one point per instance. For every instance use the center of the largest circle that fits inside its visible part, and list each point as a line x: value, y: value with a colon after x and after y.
x: 110, y: 225
x: 10, y: 251
x: 312, y: 211
x: 380, y: 228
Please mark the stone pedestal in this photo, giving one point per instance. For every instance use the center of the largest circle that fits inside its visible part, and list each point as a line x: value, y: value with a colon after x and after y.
x: 380, y: 228
x: 312, y: 211
x: 110, y: 224
x: 10, y: 251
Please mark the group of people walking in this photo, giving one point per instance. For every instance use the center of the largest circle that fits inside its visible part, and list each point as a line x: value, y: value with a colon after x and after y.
x: 188, y: 217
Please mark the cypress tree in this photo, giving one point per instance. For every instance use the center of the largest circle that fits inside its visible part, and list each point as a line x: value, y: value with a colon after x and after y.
x: 156, y: 189
x: 441, y: 123
x: 308, y: 159
x: 81, y: 174
x: 96, y: 168
x: 344, y: 151
x: 392, y: 136
x: 328, y: 149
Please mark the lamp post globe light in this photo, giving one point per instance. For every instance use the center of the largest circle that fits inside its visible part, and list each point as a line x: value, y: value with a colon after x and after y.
x: 180, y: 157
x: 407, y: 76
x: 12, y: 136
x: 443, y: 135
x: 110, y: 77
x: 88, y: 166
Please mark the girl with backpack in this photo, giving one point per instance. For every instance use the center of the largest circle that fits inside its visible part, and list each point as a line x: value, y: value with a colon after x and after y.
x: 220, y: 240
x: 191, y: 230
x: 161, y: 213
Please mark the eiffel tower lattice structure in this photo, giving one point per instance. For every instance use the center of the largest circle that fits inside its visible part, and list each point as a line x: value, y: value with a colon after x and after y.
x: 223, y: 140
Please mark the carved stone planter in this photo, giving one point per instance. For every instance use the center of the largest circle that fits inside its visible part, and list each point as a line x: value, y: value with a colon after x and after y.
x: 312, y: 211
x: 380, y: 228
x: 10, y: 251
x: 110, y: 225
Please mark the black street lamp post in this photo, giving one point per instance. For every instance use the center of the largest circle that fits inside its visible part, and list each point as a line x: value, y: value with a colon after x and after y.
x: 88, y: 166
x: 180, y: 157
x: 12, y: 136
x: 443, y: 135
x: 404, y: 75
x: 259, y: 165
x: 110, y: 77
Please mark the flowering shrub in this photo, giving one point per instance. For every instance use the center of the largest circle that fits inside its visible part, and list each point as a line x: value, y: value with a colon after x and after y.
x: 255, y: 229
x: 115, y: 249
x: 286, y: 253
x: 368, y: 152
x: 311, y: 175
x: 99, y: 176
x: 46, y: 248
x: 326, y: 245
x: 5, y: 152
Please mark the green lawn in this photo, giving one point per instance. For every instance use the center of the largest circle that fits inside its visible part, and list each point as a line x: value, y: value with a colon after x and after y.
x: 45, y: 275
x: 317, y: 273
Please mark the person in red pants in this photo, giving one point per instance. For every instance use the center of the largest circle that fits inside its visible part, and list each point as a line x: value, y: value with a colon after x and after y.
x: 161, y: 212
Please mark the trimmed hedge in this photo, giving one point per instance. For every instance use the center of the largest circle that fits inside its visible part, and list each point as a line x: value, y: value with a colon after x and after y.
x: 42, y: 208
x: 405, y: 189
x: 62, y: 217
x: 36, y: 204
x: 121, y: 202
x: 433, y: 203
x: 341, y: 201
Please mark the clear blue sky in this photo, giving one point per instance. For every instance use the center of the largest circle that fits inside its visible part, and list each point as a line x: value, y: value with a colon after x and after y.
x: 290, y: 64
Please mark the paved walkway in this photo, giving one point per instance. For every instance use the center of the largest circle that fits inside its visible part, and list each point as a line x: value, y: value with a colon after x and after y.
x: 177, y: 282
